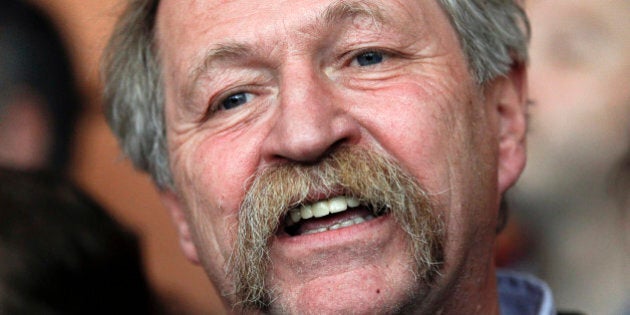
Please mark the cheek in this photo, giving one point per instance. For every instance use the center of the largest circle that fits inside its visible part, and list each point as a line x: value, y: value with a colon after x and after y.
x: 432, y: 130
x: 214, y: 161
x: 211, y: 172
x: 415, y: 124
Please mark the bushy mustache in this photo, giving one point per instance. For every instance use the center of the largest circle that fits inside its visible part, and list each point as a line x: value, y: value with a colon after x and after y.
x: 352, y: 171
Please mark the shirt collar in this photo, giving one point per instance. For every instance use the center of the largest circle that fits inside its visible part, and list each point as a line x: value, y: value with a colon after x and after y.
x: 523, y: 294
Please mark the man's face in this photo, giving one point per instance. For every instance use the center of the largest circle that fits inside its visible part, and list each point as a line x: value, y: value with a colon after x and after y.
x: 253, y: 86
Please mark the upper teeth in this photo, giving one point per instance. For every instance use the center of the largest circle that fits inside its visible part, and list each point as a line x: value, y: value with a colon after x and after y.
x: 321, y: 208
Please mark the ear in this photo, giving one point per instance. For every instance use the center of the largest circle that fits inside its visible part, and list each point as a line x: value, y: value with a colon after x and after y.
x: 511, y: 107
x: 172, y: 202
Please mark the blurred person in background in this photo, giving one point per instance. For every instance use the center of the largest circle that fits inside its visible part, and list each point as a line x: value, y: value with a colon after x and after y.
x: 39, y: 102
x: 60, y: 253
x: 621, y: 189
x: 580, y: 67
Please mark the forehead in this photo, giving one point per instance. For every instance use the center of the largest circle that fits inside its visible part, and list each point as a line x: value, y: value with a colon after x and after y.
x: 209, y: 15
x: 188, y: 30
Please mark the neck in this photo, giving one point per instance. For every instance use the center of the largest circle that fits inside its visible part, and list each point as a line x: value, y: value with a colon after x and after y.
x: 475, y: 293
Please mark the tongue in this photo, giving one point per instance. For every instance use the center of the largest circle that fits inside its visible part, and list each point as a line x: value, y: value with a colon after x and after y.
x: 330, y: 220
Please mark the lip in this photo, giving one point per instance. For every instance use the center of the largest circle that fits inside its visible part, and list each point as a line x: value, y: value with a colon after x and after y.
x: 301, y: 244
x: 315, y: 196
x: 373, y: 245
x: 313, y: 267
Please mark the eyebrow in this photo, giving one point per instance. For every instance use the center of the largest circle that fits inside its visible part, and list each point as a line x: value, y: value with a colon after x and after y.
x: 344, y: 10
x: 220, y: 52
x: 332, y: 16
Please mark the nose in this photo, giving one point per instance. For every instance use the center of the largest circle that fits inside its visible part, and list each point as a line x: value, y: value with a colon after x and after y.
x: 311, y: 121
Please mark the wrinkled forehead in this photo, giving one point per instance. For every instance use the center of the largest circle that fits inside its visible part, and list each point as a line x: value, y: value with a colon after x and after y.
x: 187, y: 31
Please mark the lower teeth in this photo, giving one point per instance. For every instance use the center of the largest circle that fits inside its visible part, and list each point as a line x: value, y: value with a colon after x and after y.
x: 339, y: 225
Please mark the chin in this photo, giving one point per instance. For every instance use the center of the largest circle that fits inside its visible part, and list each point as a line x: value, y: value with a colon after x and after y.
x: 378, y: 281
x: 369, y: 290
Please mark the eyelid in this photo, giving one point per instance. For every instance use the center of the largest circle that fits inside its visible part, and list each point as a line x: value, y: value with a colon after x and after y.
x: 350, y: 57
x: 226, y: 100
x: 214, y: 104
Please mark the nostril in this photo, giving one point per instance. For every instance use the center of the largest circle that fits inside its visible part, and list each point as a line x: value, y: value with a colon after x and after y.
x: 314, y: 154
x: 306, y: 131
x: 334, y: 147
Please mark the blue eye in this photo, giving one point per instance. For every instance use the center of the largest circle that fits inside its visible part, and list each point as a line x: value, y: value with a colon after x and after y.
x: 236, y: 100
x: 369, y: 58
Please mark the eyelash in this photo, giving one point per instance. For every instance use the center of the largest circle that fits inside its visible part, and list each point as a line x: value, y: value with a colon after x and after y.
x: 224, y: 102
x: 386, y: 54
x: 216, y: 105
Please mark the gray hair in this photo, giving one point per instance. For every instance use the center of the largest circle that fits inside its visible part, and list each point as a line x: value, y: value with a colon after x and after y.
x: 493, y: 35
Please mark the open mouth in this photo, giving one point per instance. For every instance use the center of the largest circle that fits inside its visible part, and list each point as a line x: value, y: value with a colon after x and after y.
x: 330, y: 214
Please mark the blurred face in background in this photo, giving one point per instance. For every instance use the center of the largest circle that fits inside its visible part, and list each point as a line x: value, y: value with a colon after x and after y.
x: 25, y: 130
x: 39, y: 102
x: 580, y: 123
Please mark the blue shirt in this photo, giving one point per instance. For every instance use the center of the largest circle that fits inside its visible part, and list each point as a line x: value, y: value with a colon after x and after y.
x: 523, y: 294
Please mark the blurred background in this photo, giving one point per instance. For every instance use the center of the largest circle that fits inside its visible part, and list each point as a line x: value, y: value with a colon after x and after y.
x: 579, y: 131
x: 564, y: 224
